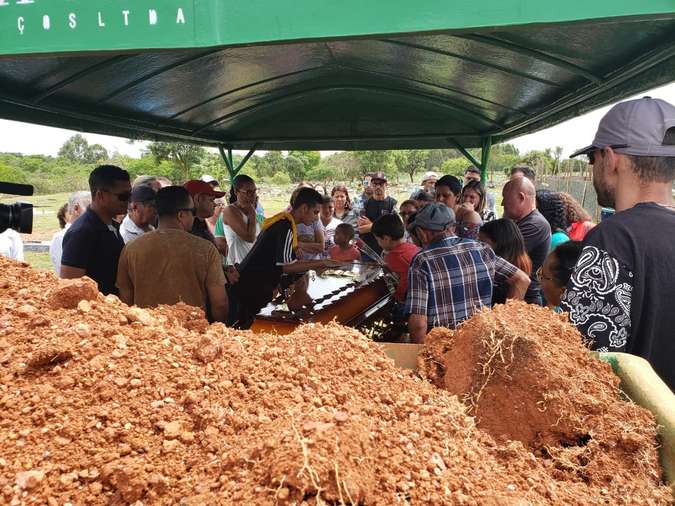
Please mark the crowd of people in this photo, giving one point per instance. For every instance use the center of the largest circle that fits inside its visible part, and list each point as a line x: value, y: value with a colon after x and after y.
x: 152, y: 242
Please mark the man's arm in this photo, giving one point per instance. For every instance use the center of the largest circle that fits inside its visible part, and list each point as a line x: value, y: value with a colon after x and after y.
x: 417, y: 327
x: 218, y: 302
x: 235, y: 220
x: 68, y: 272
x: 221, y: 245
x: 518, y: 284
x: 365, y: 225
x: 123, y: 281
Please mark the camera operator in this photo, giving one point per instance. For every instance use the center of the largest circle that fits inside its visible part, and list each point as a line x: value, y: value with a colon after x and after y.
x: 93, y: 244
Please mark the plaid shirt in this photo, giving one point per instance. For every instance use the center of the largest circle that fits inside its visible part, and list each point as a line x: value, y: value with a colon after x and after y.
x: 452, y: 278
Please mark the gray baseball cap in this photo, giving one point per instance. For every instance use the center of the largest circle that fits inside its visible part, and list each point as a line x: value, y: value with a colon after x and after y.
x: 434, y: 216
x: 641, y: 127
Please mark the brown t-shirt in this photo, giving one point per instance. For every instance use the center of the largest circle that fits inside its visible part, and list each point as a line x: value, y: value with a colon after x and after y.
x: 169, y: 266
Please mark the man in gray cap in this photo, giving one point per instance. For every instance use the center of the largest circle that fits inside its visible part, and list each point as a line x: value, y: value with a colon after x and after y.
x: 452, y: 278
x: 142, y: 213
x: 622, y: 289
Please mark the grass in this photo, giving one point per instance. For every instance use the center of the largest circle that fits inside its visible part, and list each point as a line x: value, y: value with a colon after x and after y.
x: 39, y: 260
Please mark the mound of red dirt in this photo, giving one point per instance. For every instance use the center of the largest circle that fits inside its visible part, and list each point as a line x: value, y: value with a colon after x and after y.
x: 525, y: 375
x: 106, y: 404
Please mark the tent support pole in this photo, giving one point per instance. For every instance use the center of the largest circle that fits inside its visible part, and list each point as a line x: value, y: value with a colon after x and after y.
x: 485, y: 158
x: 229, y: 163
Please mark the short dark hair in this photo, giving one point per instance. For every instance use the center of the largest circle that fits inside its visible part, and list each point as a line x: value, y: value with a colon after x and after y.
x: 527, y: 171
x: 237, y: 183
x: 104, y: 177
x: 389, y: 224
x: 567, y: 254
x: 472, y: 169
x: 653, y: 169
x: 327, y: 199
x: 171, y: 199
x: 346, y: 229
x: 423, y: 196
x: 451, y: 182
x: 308, y: 196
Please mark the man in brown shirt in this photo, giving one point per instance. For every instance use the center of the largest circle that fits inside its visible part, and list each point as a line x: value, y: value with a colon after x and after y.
x: 170, y: 264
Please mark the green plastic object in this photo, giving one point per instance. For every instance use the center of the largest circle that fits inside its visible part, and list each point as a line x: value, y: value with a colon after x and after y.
x: 644, y: 387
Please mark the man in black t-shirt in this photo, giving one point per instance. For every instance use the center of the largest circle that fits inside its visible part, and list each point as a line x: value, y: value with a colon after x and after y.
x: 621, y: 293
x: 272, y: 257
x: 375, y: 207
x: 520, y: 205
x: 93, y: 244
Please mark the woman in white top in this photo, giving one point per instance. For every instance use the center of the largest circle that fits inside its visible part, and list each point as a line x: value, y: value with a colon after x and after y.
x: 240, y: 227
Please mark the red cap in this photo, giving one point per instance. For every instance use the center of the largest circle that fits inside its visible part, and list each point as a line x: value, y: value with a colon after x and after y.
x: 196, y: 187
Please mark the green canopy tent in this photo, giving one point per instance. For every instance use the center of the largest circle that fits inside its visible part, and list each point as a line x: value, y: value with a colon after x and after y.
x: 308, y: 74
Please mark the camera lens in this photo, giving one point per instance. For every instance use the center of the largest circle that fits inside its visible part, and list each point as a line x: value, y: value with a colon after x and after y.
x: 17, y: 216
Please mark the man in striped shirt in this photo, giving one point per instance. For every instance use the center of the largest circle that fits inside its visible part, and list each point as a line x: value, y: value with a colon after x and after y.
x: 452, y: 278
x: 272, y: 261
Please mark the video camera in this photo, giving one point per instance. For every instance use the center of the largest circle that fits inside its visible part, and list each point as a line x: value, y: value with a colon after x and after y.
x: 17, y: 216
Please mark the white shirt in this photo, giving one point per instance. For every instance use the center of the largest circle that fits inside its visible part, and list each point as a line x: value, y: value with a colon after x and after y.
x: 56, y: 249
x: 237, y: 248
x: 11, y: 245
x: 129, y: 230
x: 329, y: 233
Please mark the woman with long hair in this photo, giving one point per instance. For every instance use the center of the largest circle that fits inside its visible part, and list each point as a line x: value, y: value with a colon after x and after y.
x: 557, y: 271
x: 550, y: 205
x: 237, y: 222
x: 505, y: 239
x: 474, y: 194
x: 344, y: 210
x: 578, y: 220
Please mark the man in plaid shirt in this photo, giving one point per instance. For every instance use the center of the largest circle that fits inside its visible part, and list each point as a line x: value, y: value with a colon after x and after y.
x: 452, y: 278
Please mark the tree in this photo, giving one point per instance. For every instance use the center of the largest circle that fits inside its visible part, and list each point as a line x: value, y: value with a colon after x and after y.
x: 310, y: 159
x: 269, y: 164
x: 409, y: 161
x: 184, y: 156
x: 322, y: 173
x: 77, y: 150
x: 557, y: 156
x: 454, y: 167
x: 374, y: 161
x: 345, y: 165
x: 295, y: 168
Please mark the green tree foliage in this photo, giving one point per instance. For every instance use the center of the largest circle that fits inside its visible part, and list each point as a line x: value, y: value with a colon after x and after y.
x: 295, y: 168
x: 310, y: 159
x: 280, y: 178
x: 271, y: 163
x: 184, y: 156
x: 78, y: 150
x: 454, y: 167
x: 344, y: 165
x: 9, y: 174
x: 374, y: 161
x: 410, y: 161
x: 323, y: 173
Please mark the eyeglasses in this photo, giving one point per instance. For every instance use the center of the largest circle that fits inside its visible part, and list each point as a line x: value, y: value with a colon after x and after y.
x: 123, y: 197
x: 192, y: 210
x: 540, y: 275
x: 591, y: 155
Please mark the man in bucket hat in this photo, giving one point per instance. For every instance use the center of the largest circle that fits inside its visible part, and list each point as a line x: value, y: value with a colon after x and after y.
x: 622, y: 290
x: 451, y: 278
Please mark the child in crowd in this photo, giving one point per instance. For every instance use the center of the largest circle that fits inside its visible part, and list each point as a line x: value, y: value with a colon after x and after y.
x: 407, y: 209
x: 468, y: 223
x: 398, y: 254
x: 329, y: 222
x: 344, y: 250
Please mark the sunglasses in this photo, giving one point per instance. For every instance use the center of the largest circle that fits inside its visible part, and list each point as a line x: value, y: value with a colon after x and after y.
x: 192, y: 210
x: 591, y: 155
x: 123, y: 197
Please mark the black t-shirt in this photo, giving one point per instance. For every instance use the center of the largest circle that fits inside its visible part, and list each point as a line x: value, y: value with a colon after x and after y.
x: 537, y: 234
x: 92, y: 245
x: 623, y: 287
x: 261, y: 271
x: 201, y: 229
x: 374, y: 209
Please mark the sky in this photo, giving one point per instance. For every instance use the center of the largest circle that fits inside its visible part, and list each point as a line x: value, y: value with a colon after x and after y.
x: 573, y: 134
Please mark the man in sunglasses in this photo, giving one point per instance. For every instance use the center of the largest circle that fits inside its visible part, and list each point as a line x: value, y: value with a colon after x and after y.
x: 621, y: 293
x: 171, y: 265
x: 452, y: 278
x: 93, y: 244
